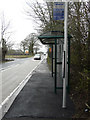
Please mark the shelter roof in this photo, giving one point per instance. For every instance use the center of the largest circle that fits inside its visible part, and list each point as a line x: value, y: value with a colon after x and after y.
x: 49, y: 37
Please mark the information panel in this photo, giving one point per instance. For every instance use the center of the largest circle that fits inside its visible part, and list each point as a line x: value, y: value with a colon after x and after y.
x: 58, y: 11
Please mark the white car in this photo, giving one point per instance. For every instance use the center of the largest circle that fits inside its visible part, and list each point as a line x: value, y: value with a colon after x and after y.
x: 37, y: 57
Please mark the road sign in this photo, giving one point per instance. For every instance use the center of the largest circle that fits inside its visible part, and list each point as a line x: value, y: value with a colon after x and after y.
x: 58, y: 11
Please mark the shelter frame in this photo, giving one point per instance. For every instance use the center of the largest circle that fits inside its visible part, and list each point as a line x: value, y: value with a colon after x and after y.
x: 51, y: 38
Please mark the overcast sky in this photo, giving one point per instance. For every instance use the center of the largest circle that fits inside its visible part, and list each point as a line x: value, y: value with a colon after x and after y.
x: 14, y: 12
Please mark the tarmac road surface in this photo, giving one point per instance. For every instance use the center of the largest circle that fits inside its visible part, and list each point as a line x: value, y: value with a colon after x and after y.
x: 15, y: 72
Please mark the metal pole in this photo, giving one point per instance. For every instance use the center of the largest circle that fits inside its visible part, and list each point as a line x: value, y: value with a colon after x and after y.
x: 52, y: 60
x: 55, y: 65
x: 65, y: 52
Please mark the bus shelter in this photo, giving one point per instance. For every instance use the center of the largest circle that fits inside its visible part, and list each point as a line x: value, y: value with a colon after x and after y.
x: 54, y: 38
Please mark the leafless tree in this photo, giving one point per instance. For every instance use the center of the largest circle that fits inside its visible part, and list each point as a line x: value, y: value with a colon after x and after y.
x: 42, y: 15
x: 30, y: 42
x: 5, y: 35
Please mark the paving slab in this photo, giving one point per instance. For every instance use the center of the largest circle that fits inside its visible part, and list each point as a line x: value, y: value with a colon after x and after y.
x: 37, y: 99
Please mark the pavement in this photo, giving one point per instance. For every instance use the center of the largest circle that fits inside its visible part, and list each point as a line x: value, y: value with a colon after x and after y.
x: 37, y: 100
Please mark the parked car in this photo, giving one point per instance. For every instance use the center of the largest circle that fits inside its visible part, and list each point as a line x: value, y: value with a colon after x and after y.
x: 37, y: 57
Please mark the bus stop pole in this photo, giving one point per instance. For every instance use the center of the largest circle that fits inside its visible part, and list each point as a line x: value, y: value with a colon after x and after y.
x: 65, y: 58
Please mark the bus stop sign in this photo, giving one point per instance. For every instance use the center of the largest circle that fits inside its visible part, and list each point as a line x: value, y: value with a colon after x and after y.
x: 58, y: 11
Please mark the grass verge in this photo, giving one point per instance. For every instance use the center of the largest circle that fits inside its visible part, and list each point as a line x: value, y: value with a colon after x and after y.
x: 9, y: 58
x: 18, y: 56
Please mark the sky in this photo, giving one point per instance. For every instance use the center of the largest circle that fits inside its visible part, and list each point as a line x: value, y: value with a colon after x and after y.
x: 14, y: 12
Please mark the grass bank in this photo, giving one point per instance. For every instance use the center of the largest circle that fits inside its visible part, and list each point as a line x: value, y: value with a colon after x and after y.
x: 18, y: 56
x: 9, y: 58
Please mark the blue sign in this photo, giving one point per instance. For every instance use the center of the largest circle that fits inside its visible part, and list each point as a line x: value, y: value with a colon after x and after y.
x: 58, y: 11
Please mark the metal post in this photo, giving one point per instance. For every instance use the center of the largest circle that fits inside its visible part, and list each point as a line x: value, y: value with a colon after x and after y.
x: 52, y: 60
x: 55, y: 64
x: 65, y: 52
x: 68, y: 64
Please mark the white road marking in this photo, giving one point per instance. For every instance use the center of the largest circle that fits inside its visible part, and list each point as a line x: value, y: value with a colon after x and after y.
x: 5, y: 105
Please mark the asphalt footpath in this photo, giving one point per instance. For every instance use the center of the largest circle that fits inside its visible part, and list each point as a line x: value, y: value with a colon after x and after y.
x: 37, y: 100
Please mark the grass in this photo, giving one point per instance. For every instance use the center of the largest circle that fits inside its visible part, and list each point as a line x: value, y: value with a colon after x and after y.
x: 9, y: 58
x: 6, y: 60
x: 18, y: 56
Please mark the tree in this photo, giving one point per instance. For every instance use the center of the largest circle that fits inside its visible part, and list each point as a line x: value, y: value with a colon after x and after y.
x: 23, y: 44
x: 29, y: 42
x: 42, y: 14
x: 79, y: 28
x: 5, y: 35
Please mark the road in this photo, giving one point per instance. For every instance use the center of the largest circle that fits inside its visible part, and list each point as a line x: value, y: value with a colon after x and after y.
x: 15, y: 72
x: 9, y: 64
